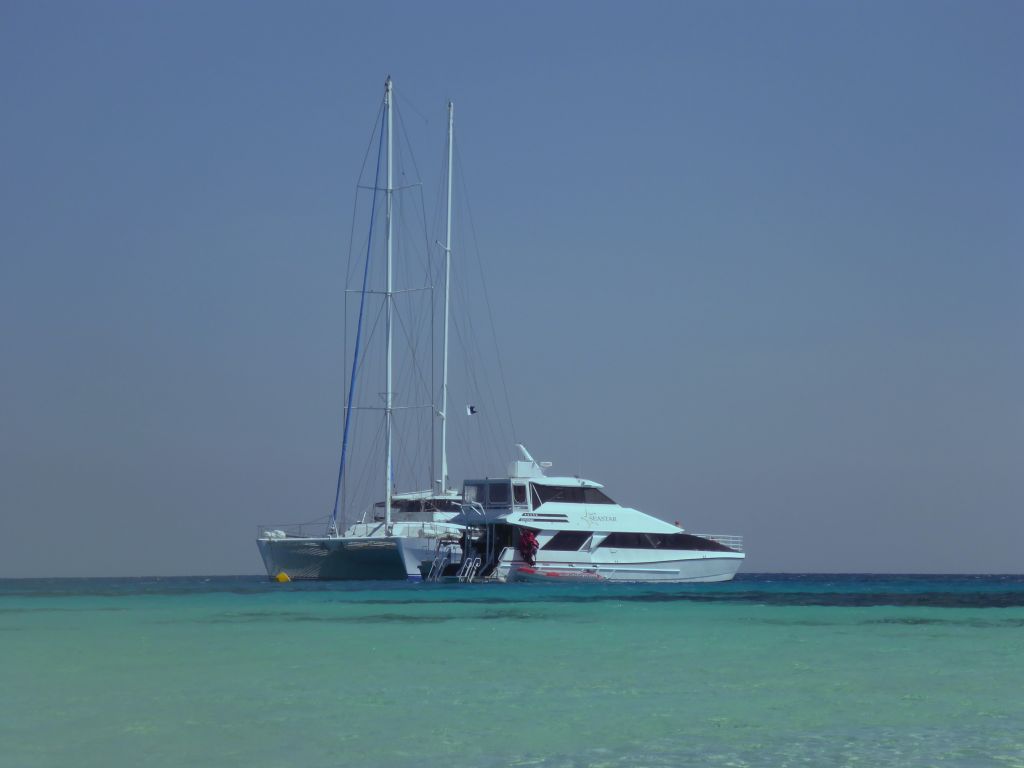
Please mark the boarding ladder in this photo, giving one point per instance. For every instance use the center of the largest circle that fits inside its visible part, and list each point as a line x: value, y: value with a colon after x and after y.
x: 443, y: 558
x: 469, y: 568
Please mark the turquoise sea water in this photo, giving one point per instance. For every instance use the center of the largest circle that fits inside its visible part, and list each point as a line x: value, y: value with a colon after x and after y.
x: 763, y: 671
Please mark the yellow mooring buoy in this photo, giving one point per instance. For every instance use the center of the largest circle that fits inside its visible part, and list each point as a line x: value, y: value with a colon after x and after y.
x: 283, y: 577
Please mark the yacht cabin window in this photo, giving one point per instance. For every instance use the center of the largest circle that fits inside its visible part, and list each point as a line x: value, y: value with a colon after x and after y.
x: 519, y: 494
x: 499, y: 493
x: 475, y: 492
x: 568, y: 495
x: 488, y: 494
x: 623, y: 540
x: 567, y: 541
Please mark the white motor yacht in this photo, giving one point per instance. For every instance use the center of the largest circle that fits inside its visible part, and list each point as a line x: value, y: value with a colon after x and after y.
x: 579, y: 534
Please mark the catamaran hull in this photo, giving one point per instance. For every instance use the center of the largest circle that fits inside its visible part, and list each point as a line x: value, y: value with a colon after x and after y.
x: 377, y: 558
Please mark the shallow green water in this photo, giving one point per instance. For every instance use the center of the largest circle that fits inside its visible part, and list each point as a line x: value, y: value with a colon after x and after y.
x: 816, y: 671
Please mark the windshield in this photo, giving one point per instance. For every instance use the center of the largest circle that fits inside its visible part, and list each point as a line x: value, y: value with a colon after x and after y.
x: 499, y: 493
x: 475, y: 492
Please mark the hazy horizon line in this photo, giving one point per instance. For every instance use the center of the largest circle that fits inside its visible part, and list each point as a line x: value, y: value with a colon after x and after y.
x: 264, y: 577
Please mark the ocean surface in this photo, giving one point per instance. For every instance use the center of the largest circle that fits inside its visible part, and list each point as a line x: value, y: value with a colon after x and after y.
x: 768, y: 670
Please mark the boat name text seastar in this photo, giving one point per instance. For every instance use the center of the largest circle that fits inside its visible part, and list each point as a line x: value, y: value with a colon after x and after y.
x: 590, y: 517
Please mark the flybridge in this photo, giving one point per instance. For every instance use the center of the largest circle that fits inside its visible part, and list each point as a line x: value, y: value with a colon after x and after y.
x: 526, y: 466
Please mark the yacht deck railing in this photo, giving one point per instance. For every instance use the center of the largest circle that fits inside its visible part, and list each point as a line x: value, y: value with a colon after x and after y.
x: 421, y: 528
x: 316, y: 529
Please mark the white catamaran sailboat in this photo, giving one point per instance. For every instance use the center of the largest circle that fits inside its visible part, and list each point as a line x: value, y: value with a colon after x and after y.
x: 395, y: 535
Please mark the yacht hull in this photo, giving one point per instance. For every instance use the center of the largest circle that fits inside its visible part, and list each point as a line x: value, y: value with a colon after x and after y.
x: 376, y: 558
x: 551, y: 575
x: 687, y: 567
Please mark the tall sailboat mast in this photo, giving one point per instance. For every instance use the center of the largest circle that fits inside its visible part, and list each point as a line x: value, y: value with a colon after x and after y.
x: 443, y: 482
x: 389, y: 194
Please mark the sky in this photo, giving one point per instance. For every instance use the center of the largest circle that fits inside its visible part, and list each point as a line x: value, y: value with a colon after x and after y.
x: 758, y: 267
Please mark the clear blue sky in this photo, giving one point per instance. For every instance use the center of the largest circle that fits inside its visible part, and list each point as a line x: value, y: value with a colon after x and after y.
x: 757, y: 266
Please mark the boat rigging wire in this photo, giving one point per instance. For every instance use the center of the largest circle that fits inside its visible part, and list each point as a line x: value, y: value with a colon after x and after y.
x: 359, y: 331
x: 412, y: 105
x: 487, y: 297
